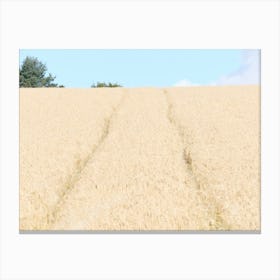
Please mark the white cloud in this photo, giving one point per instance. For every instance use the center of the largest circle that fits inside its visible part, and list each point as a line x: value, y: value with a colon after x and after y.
x: 185, y: 83
x: 247, y: 73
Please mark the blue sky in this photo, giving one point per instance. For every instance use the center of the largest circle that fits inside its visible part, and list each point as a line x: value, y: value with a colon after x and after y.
x: 157, y: 68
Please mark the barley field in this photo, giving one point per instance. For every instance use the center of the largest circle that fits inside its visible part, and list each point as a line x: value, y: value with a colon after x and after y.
x: 140, y: 158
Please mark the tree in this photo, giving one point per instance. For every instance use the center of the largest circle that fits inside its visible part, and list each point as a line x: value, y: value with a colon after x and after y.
x: 103, y: 84
x: 32, y: 73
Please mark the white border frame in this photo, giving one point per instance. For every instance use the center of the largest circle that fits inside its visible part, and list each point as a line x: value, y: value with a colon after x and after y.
x: 146, y: 24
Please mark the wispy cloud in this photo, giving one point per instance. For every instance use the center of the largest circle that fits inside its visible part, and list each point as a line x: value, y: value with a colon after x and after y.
x: 247, y: 73
x: 185, y: 83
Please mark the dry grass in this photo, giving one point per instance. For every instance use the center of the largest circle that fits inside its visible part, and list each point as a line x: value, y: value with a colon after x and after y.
x: 140, y: 159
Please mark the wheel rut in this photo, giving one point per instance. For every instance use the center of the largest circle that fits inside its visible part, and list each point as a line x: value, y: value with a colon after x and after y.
x: 217, y: 222
x: 81, y: 164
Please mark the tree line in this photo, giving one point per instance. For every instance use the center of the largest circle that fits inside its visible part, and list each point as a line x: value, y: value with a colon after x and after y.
x: 33, y: 74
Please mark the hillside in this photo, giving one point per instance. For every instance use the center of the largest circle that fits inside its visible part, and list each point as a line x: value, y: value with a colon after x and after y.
x: 140, y: 158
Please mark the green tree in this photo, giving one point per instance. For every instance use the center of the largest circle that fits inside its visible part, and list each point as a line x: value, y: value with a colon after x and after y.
x: 103, y: 84
x: 33, y: 73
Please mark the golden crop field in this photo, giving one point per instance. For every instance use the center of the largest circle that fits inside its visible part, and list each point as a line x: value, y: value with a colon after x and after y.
x: 140, y: 158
